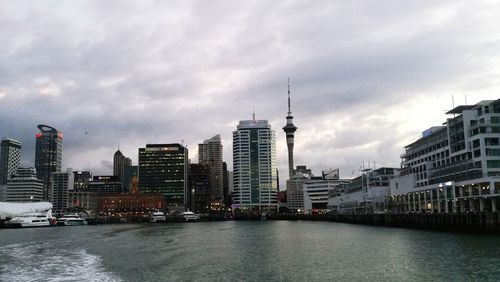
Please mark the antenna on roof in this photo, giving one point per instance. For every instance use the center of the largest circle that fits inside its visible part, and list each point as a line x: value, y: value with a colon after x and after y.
x: 465, y: 98
x: 253, y: 113
x: 452, y: 101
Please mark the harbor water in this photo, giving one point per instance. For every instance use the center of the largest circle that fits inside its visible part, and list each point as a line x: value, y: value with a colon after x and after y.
x: 245, y: 251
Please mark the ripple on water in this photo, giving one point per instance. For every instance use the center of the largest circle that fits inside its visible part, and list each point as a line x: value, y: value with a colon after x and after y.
x: 40, y: 262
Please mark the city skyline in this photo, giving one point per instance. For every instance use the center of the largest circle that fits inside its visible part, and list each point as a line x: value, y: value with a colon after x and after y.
x: 169, y: 76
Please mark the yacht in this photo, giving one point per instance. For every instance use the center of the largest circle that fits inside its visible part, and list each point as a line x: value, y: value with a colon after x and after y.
x: 157, y: 216
x: 71, y: 220
x: 34, y: 219
x: 190, y: 216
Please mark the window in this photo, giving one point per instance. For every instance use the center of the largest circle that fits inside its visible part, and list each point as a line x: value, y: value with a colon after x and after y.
x: 493, y: 163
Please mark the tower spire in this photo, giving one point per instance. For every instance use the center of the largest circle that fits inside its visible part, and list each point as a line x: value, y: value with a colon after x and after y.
x: 253, y: 113
x: 289, y: 110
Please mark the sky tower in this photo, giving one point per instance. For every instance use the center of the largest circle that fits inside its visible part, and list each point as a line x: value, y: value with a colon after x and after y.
x: 290, y: 132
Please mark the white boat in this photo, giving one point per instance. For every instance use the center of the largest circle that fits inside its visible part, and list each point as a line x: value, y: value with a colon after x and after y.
x: 32, y: 219
x: 157, y: 216
x: 71, y: 220
x: 190, y: 216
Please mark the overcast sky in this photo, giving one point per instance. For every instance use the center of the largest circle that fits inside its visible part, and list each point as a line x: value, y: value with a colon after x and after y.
x: 367, y: 77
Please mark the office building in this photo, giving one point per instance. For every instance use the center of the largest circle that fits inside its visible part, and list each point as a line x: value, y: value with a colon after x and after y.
x: 48, y: 155
x: 79, y: 199
x: 10, y: 157
x: 120, y: 164
x: 129, y: 173
x: 294, y: 191
x: 81, y: 180
x: 453, y: 168
x: 163, y: 168
x: 254, y: 167
x: 61, y: 184
x: 210, y: 154
x: 366, y: 194
x: 317, y: 191
x: 105, y: 184
x: 199, y: 183
x: 24, y: 186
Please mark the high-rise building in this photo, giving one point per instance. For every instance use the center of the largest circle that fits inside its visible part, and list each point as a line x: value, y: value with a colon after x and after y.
x: 61, y: 184
x: 294, y: 191
x: 120, y: 163
x: 254, y: 166
x: 210, y: 154
x: 81, y: 180
x: 454, y: 167
x: 48, y: 155
x: 199, y: 183
x: 24, y: 186
x: 10, y: 157
x: 105, y: 184
x: 163, y: 168
x: 129, y: 173
x: 290, y: 134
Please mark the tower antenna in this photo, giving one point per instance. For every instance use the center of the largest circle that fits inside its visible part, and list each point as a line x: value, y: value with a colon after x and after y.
x: 253, y: 113
x: 289, y: 108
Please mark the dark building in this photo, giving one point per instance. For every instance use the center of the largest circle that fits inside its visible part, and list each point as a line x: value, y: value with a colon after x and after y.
x: 225, y: 189
x: 163, y: 169
x: 10, y: 157
x: 210, y: 154
x: 120, y: 164
x: 129, y: 172
x: 107, y: 184
x: 48, y: 155
x: 82, y: 180
x: 199, y: 183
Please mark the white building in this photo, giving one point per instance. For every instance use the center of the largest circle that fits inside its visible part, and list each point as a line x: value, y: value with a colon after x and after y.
x: 454, y: 167
x: 316, y: 193
x: 24, y: 186
x: 365, y: 194
x: 254, y: 166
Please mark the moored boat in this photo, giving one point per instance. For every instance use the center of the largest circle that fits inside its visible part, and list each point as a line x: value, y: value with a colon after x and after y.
x: 190, y: 216
x: 157, y: 216
x: 71, y: 220
x: 30, y: 220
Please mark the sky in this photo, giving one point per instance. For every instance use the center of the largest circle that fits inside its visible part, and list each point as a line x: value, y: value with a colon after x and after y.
x: 367, y: 77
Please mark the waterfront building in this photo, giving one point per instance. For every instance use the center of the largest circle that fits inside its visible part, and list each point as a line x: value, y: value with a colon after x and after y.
x: 210, y: 154
x: 10, y: 157
x: 61, y: 184
x: 199, y: 183
x: 317, y: 189
x: 82, y: 200
x: 131, y: 205
x: 120, y: 164
x: 48, y: 155
x: 290, y: 129
x: 294, y: 191
x: 81, y: 180
x: 453, y: 168
x: 254, y: 166
x: 105, y: 184
x: 24, y: 186
x: 163, y: 168
x: 365, y: 194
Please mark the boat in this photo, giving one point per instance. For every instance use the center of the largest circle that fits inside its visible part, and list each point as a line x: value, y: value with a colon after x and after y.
x: 190, y: 216
x: 31, y: 219
x: 157, y: 216
x: 71, y: 220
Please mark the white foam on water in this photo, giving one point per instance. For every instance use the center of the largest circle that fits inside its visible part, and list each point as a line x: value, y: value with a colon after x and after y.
x: 41, y: 262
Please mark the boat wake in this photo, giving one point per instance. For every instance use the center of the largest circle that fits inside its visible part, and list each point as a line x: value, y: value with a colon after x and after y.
x: 40, y: 262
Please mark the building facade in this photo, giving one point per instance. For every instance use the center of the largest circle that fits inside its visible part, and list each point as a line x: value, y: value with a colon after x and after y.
x: 210, y: 154
x: 81, y: 180
x: 120, y: 164
x: 10, y: 158
x: 200, y: 192
x: 294, y: 191
x: 61, y: 184
x: 317, y: 190
x: 24, y: 186
x: 366, y: 194
x: 48, y: 155
x: 105, y: 184
x: 254, y: 166
x: 453, y: 168
x: 163, y: 168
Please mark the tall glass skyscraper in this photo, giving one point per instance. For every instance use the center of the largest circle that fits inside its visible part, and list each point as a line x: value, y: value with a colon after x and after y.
x: 254, y: 166
x: 48, y: 155
x: 163, y: 169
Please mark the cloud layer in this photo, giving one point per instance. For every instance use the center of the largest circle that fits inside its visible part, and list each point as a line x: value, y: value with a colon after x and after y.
x: 367, y: 77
